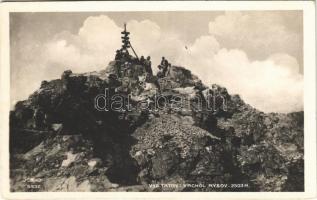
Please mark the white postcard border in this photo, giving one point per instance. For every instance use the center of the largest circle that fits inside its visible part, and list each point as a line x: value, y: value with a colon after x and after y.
x: 308, y: 8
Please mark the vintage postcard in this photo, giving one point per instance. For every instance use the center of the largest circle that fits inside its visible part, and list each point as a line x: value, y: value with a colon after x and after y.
x: 164, y: 100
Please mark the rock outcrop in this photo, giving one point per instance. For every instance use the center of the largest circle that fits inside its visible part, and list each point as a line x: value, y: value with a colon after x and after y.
x: 59, y: 141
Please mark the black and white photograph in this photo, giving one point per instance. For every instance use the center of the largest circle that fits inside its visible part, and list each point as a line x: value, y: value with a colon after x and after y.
x: 157, y: 101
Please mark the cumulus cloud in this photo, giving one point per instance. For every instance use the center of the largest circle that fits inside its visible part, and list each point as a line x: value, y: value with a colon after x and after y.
x: 271, y: 84
x: 258, y: 33
x: 88, y: 50
x: 98, y: 39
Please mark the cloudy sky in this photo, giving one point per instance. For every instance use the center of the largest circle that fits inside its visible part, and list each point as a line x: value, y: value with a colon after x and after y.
x: 257, y: 54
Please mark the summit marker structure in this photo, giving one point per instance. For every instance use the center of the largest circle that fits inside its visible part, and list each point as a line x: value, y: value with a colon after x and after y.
x: 126, y: 44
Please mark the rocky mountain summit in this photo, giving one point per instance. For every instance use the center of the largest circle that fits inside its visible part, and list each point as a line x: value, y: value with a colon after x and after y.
x: 73, y: 134
x: 59, y: 138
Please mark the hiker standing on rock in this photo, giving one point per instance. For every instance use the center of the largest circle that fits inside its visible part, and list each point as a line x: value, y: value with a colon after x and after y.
x: 118, y: 55
x: 142, y: 60
x: 163, y: 67
x: 148, y: 66
x: 163, y: 60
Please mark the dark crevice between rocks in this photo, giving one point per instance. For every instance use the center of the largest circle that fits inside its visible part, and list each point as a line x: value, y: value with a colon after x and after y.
x: 115, y: 146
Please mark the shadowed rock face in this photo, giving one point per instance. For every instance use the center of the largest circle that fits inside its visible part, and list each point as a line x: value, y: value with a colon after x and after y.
x: 58, y: 136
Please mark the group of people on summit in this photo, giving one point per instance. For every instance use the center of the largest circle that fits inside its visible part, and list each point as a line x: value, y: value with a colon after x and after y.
x: 147, y: 64
x: 163, y: 67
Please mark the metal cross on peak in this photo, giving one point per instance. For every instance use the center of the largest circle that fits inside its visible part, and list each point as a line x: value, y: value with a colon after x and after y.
x: 125, y: 32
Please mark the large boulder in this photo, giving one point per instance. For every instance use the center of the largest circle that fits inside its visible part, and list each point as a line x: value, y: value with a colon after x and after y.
x: 169, y: 151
